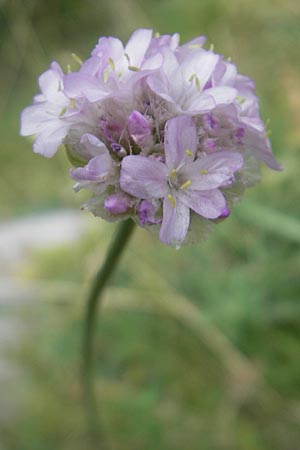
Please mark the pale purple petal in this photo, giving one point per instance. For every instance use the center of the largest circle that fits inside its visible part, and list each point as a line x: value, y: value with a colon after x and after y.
x: 175, y: 223
x: 84, y: 85
x: 200, y: 64
x: 97, y: 169
x: 108, y: 47
x: 222, y: 95
x: 137, y: 46
x: 180, y: 136
x: 143, y: 177
x: 50, y: 83
x: 48, y: 141
x: 209, y: 204
x: 213, y: 170
x: 93, y: 146
x: 34, y: 119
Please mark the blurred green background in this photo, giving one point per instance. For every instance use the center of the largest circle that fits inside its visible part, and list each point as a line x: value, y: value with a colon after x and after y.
x: 196, y: 349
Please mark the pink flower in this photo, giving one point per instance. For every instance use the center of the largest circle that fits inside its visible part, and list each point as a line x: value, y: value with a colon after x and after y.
x: 184, y: 182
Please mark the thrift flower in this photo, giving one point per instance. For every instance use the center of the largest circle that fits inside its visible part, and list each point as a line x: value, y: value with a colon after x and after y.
x: 167, y: 134
x: 184, y: 182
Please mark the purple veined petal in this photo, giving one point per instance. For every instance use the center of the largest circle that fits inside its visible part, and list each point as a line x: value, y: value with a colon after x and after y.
x: 92, y: 66
x: 260, y: 147
x: 201, y: 103
x: 159, y: 43
x: 83, y: 85
x: 175, y: 222
x: 48, y: 141
x: 137, y: 46
x: 109, y: 47
x: 201, y: 64
x: 180, y: 136
x: 213, y: 170
x: 97, y: 169
x: 190, y: 46
x: 229, y: 77
x: 50, y: 83
x: 222, y: 95
x: 143, y: 177
x: 34, y: 119
x: 93, y: 145
x: 159, y: 85
x: 153, y: 62
x: 209, y: 204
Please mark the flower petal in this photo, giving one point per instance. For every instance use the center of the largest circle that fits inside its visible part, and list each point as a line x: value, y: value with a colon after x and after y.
x: 175, y: 223
x: 143, y: 177
x: 213, y: 170
x: 49, y: 140
x: 93, y: 145
x: 180, y: 135
x: 137, y: 46
x: 96, y: 170
x: 202, y: 64
x: 83, y: 85
x: 209, y: 204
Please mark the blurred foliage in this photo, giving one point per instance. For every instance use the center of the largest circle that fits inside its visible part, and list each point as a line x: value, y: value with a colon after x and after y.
x: 196, y: 349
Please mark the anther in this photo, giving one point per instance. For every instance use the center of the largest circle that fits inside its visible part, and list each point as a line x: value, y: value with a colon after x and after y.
x: 171, y: 200
x: 186, y: 184
x: 188, y: 152
x: 62, y: 111
x: 77, y: 58
x: 111, y: 63
x: 204, y: 172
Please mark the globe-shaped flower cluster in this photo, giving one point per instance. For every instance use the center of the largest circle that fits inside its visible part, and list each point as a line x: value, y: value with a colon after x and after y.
x: 165, y: 134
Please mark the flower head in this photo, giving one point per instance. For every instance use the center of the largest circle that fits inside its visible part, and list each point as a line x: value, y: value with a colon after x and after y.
x: 158, y: 132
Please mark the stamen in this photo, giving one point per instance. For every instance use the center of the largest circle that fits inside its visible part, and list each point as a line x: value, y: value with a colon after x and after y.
x: 211, y: 48
x: 127, y: 57
x: 240, y: 99
x: 77, y: 58
x: 192, y: 46
x: 106, y: 75
x: 72, y: 103
x: 69, y: 70
x: 134, y: 69
x: 62, y: 111
x: 172, y: 173
x: 188, y: 152
x: 119, y: 74
x: 197, y: 81
x: 111, y: 63
x: 204, y: 172
x: 157, y: 34
x: 186, y: 184
x: 171, y: 200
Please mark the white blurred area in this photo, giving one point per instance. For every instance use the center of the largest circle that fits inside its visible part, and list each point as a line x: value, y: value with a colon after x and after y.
x: 20, y: 237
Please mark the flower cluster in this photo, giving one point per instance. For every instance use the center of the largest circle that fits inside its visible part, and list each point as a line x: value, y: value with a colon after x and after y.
x: 165, y: 134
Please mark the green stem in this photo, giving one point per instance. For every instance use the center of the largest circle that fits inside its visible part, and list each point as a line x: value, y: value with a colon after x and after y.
x: 101, y: 279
